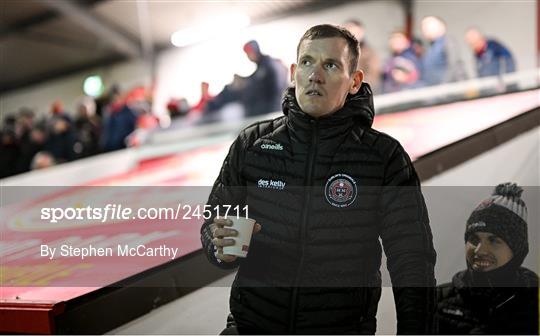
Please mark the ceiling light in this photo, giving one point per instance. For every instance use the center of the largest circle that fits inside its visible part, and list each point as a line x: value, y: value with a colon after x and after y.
x: 93, y: 86
x: 218, y: 26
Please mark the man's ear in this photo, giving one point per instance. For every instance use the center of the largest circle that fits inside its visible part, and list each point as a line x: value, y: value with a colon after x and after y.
x: 293, y: 71
x: 357, y: 79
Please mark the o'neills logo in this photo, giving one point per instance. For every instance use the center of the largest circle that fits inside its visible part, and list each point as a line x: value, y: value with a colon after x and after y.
x: 340, y: 190
x: 272, y: 147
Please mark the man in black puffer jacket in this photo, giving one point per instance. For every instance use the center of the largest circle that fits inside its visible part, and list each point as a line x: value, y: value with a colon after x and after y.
x: 495, y: 295
x: 323, y: 187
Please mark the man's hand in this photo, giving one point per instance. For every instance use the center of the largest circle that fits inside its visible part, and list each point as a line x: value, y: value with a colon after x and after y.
x: 220, y: 232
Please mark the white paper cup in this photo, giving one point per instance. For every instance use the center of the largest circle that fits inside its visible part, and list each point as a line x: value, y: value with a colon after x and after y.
x: 244, y: 227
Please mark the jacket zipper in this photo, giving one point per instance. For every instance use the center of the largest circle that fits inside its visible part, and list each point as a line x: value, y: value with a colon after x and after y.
x: 305, y: 211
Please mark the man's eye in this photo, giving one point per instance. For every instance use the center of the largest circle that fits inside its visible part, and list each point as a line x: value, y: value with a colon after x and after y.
x: 305, y: 62
x: 495, y: 240
x: 473, y: 241
x: 330, y: 66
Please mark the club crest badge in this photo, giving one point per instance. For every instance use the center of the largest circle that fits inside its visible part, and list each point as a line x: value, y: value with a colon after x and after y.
x: 340, y: 190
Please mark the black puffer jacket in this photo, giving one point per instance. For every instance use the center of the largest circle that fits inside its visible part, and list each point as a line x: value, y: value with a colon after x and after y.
x: 464, y: 308
x: 314, y: 266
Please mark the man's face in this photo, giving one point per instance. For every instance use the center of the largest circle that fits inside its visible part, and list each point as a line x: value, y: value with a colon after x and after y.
x: 485, y: 251
x: 82, y: 111
x: 398, y: 42
x: 475, y: 40
x: 432, y: 28
x: 252, y: 56
x: 322, y: 78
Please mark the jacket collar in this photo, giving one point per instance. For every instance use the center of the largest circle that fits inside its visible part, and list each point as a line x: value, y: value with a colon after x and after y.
x: 358, y: 107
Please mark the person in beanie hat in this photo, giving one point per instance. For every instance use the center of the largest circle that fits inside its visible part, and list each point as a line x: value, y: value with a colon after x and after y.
x: 495, y: 294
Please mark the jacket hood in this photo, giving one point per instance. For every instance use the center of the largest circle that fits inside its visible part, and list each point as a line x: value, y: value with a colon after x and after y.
x: 358, y: 106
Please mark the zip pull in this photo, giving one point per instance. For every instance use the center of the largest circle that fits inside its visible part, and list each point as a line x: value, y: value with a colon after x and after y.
x: 505, y: 301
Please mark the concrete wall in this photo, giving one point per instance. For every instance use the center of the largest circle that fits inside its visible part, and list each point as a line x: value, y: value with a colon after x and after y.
x: 517, y: 160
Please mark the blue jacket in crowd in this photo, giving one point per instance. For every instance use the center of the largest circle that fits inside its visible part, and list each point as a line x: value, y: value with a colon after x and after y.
x: 116, y: 127
x: 264, y: 88
x: 442, y: 63
x: 406, y: 61
x: 494, y: 59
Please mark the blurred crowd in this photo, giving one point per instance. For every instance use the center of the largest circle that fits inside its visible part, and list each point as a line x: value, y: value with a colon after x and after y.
x: 433, y: 60
x: 258, y: 94
x: 121, y: 119
x: 100, y: 125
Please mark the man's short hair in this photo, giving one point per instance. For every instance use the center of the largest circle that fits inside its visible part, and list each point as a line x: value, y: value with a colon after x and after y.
x: 400, y: 32
x: 329, y: 31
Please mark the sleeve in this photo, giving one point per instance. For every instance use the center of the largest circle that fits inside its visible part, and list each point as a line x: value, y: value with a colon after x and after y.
x: 263, y: 81
x: 453, y: 316
x: 408, y: 244
x: 507, y: 61
x: 229, y: 189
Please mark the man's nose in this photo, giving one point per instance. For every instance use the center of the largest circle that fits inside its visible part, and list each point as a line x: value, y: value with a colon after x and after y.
x: 479, y: 248
x: 316, y: 76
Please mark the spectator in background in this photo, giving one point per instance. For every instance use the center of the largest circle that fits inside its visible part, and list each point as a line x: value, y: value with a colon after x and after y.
x: 369, y: 62
x: 402, y: 70
x: 10, y: 122
x: 9, y: 148
x: 205, y: 98
x: 259, y: 93
x: 418, y: 46
x: 178, y: 107
x: 264, y: 88
x: 103, y: 101
x: 28, y: 149
x: 146, y: 123
x: 88, y: 128
x: 23, y: 130
x: 42, y: 160
x: 442, y: 61
x: 58, y: 111
x: 32, y: 138
x: 494, y: 295
x: 492, y: 58
x: 230, y: 93
x: 24, y: 123
x: 119, y: 121
x: 199, y: 112
x: 61, y: 140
